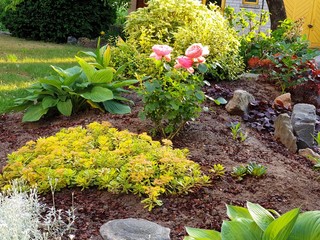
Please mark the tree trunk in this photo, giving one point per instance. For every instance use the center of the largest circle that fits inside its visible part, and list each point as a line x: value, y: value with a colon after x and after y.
x: 277, y: 12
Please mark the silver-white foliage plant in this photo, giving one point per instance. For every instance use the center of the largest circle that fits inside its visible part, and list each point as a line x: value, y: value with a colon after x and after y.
x: 23, y: 217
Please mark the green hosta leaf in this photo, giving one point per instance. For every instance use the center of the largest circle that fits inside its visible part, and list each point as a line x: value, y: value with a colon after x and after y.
x: 68, y: 81
x: 98, y: 94
x: 65, y: 108
x: 60, y: 71
x: 202, y: 234
x: 307, y: 227
x: 235, y: 212
x: 48, y: 102
x: 88, y: 69
x: 34, y: 113
x: 51, y: 81
x: 106, y: 56
x: 241, y: 229
x: 89, y: 54
x: 120, y: 70
x: 124, y: 83
x: 260, y: 215
x: 281, y: 228
x: 116, y: 107
x: 102, y: 76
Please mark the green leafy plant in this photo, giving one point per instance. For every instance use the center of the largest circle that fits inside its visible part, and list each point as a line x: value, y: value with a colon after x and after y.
x: 172, y: 96
x: 253, y: 169
x: 237, y: 133
x: 92, y: 84
x: 54, y: 21
x: 218, y: 170
x: 239, y: 172
x: 248, y: 25
x: 100, y: 155
x: 317, y: 138
x: 258, y: 223
x: 180, y: 22
x: 256, y: 169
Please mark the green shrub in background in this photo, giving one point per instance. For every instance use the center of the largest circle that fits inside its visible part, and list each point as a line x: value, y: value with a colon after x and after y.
x: 179, y: 23
x: 100, y: 155
x: 258, y: 223
x: 55, y: 20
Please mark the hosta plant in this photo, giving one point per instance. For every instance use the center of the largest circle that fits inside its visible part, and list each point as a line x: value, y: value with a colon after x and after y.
x: 172, y: 96
x: 258, y: 223
x: 101, y: 156
x: 70, y: 90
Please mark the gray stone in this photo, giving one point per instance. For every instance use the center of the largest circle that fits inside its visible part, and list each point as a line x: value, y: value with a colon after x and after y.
x: 284, y: 132
x: 72, y: 40
x: 133, y: 229
x: 303, y: 121
x: 251, y: 76
x: 239, y: 103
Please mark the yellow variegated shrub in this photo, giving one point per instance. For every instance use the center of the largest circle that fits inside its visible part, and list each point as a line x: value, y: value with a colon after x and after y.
x: 100, y: 155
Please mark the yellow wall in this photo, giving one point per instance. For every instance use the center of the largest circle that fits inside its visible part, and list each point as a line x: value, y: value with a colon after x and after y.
x: 309, y: 10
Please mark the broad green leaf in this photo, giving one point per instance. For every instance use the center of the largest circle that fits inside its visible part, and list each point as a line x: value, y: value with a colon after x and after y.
x: 281, y: 228
x: 203, y: 234
x: 120, y: 70
x: 88, y: 69
x: 98, y: 94
x: 115, y: 107
x: 88, y: 53
x: 124, y: 83
x: 52, y: 82
x: 235, y: 212
x: 71, y: 79
x: 34, y: 113
x: 260, y: 215
x: 48, y: 102
x: 60, y: 71
x: 107, y: 56
x: 307, y: 227
x: 102, y: 76
x: 95, y: 105
x: 241, y: 229
x: 65, y: 108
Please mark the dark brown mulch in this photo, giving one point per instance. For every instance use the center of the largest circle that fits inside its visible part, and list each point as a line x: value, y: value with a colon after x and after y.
x: 290, y: 180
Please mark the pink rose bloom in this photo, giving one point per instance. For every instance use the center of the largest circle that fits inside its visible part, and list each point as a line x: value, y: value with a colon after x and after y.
x: 161, y: 51
x: 184, y: 62
x: 197, y: 52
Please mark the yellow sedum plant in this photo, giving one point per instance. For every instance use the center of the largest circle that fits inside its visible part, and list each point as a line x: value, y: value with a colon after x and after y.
x: 100, y: 155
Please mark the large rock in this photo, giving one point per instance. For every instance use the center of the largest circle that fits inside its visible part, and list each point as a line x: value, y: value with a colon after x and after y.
x: 133, y: 229
x: 284, y: 132
x: 303, y: 121
x: 239, y: 103
x: 310, y: 154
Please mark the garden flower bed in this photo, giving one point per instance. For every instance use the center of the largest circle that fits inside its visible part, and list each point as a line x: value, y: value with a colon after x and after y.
x: 290, y: 180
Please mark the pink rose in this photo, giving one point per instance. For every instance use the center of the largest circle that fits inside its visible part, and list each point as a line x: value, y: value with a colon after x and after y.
x: 184, y: 62
x: 197, y: 52
x: 161, y: 51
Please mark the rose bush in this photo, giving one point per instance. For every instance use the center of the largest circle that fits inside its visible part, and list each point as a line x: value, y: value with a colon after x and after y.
x: 172, y: 95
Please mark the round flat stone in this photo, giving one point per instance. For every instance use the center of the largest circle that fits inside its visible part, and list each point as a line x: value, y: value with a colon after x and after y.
x: 133, y: 229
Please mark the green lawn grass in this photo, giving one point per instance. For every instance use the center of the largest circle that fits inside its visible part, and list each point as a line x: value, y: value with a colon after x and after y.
x: 22, y: 62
